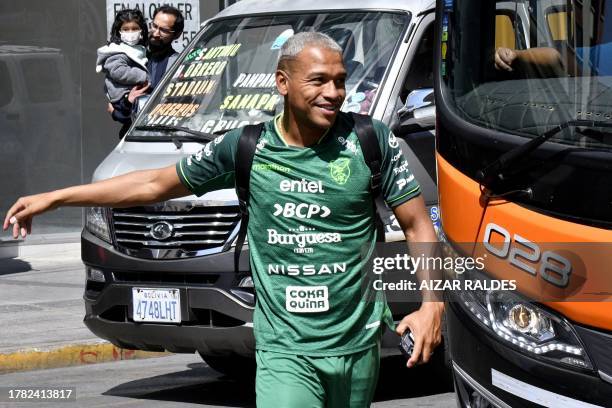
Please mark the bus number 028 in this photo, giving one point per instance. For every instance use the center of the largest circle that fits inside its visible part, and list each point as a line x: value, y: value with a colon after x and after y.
x: 553, y: 268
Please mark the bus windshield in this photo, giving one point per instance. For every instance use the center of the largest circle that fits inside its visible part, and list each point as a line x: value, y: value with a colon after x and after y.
x: 525, y: 67
x: 525, y: 102
x: 226, y: 79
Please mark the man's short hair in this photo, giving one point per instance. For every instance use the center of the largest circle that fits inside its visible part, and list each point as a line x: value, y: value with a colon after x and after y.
x: 296, y: 43
x: 179, y: 22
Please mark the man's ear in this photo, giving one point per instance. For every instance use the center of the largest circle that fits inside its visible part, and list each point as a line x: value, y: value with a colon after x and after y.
x: 281, y: 82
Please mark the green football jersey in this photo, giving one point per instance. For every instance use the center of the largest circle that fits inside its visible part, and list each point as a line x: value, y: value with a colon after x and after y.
x: 310, y: 232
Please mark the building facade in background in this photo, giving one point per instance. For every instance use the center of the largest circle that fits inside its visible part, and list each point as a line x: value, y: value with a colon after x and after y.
x: 54, y: 128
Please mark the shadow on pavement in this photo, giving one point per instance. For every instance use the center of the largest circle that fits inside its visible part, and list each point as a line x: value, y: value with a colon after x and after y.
x: 198, y: 385
x: 396, y: 381
x: 13, y: 265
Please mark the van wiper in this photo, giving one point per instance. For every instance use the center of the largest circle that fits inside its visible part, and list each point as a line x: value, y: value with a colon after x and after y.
x: 495, y: 170
x: 192, y: 134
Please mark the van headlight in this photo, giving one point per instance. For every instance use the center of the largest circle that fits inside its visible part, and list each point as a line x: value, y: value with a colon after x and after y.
x: 96, y: 223
x: 525, y: 326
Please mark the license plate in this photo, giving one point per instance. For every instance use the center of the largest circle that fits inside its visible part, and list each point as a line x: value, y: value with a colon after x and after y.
x: 156, y: 305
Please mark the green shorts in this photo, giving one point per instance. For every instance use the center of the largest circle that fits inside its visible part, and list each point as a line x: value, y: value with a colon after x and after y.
x: 292, y: 381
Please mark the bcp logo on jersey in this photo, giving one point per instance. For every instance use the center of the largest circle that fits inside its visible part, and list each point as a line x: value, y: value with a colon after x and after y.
x: 306, y: 299
x: 303, y: 210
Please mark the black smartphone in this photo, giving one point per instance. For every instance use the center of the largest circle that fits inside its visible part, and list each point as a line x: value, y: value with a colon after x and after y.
x: 406, y: 345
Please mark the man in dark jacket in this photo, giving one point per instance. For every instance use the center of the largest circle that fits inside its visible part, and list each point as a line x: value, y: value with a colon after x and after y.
x: 167, y: 25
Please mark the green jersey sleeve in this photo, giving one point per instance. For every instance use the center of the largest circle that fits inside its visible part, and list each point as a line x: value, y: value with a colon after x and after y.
x: 398, y: 182
x: 212, y: 168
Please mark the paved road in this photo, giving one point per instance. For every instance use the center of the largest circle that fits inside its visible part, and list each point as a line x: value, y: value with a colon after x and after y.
x: 184, y: 381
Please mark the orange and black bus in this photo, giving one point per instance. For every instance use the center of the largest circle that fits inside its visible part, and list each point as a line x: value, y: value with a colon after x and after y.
x: 524, y: 157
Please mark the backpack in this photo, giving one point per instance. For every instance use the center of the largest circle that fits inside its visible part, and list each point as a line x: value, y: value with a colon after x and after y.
x: 244, y: 160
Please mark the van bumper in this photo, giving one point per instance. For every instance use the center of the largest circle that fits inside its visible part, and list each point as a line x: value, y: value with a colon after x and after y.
x: 487, y: 373
x: 216, y: 313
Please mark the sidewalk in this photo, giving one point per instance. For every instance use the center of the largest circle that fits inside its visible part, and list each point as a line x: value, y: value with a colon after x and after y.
x: 41, y: 312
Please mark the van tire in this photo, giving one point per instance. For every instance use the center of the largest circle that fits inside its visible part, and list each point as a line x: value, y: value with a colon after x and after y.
x: 234, y: 366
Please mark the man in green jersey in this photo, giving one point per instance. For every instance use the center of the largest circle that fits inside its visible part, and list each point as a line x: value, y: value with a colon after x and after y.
x: 311, y: 216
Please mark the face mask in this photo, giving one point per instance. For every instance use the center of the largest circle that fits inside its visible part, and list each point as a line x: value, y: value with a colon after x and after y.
x: 130, y: 37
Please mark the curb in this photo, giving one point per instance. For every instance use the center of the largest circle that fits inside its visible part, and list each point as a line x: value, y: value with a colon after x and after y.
x: 69, y: 355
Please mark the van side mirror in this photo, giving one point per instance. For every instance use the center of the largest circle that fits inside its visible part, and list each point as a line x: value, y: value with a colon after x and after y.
x: 419, y: 110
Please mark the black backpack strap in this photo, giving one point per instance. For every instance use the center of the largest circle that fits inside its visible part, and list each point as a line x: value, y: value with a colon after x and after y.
x: 247, y: 143
x: 371, y: 151
x: 373, y: 158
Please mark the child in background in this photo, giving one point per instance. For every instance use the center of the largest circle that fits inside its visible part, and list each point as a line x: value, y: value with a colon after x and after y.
x: 124, y: 58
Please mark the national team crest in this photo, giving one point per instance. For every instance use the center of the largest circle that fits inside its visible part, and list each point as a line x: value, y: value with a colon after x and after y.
x: 340, y: 170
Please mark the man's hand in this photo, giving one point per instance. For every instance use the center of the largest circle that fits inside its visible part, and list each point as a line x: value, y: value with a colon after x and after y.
x: 137, y: 91
x: 425, y: 326
x: 21, y: 213
x: 504, y: 57
x: 109, y: 108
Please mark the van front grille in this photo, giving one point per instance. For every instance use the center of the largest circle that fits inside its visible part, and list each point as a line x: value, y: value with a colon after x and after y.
x: 172, y: 232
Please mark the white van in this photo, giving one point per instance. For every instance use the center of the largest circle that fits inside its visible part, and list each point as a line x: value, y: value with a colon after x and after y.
x: 224, y: 80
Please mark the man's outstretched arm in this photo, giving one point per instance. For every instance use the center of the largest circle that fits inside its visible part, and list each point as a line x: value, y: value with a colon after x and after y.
x: 136, y: 188
x: 426, y: 322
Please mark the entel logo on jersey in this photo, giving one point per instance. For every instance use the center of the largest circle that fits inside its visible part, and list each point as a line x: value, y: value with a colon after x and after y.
x: 303, y: 210
x: 306, y: 299
x: 302, y: 186
x: 401, y: 183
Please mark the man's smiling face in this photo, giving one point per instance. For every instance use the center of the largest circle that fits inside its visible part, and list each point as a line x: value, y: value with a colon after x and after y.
x: 313, y: 83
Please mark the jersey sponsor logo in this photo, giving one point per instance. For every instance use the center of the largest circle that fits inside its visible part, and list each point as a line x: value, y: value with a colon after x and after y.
x: 277, y: 168
x: 393, y: 143
x: 403, y: 182
x: 306, y: 270
x: 218, y: 139
x: 402, y: 168
x: 349, y: 144
x: 303, y: 210
x: 306, y: 299
x: 340, y: 170
x: 301, y: 186
x: 208, y: 149
x: 303, y: 238
x: 261, y: 144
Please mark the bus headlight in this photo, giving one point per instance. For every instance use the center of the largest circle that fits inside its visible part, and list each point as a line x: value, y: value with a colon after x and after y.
x: 96, y: 223
x: 526, y: 326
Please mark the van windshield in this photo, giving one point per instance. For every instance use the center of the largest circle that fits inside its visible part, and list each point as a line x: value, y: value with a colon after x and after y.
x: 226, y: 78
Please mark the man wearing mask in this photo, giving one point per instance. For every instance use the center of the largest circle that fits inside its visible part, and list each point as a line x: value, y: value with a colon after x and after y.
x: 167, y: 25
